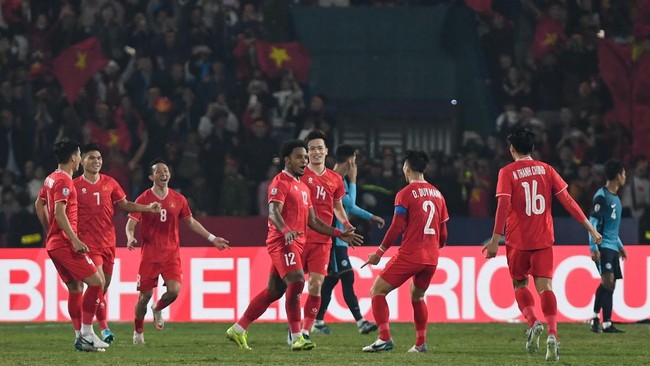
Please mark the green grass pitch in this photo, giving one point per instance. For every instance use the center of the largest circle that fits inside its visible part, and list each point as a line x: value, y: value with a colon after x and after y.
x: 205, y: 344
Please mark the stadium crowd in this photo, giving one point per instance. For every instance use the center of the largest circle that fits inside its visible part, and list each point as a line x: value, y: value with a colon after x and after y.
x: 189, y: 89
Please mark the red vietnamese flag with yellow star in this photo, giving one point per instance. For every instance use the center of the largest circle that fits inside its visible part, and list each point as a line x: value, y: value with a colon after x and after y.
x: 549, y: 35
x: 273, y: 57
x: 78, y: 63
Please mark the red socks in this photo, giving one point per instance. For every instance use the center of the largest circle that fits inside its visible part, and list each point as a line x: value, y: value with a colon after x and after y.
x: 526, y: 304
x: 161, y: 304
x: 549, y: 308
x: 74, y: 309
x: 256, y: 308
x: 91, y: 298
x: 311, y: 310
x: 292, y: 305
x: 420, y: 318
x: 101, y: 313
x: 138, y: 325
x: 381, y: 312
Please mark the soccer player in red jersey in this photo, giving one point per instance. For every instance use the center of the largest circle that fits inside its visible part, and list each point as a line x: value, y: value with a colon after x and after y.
x: 290, y: 214
x: 161, y: 245
x: 326, y: 190
x: 56, y: 208
x: 525, y: 188
x: 97, y: 195
x: 420, y: 216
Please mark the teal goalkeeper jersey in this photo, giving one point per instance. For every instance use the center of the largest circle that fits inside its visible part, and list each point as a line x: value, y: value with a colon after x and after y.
x: 351, y: 208
x: 606, y: 218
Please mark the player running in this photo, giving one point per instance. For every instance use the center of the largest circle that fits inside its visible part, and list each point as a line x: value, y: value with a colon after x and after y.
x: 290, y: 214
x: 161, y: 245
x: 420, y: 216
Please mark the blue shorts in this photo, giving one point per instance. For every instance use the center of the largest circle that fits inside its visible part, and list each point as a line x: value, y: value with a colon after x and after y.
x: 339, y: 261
x: 610, y: 262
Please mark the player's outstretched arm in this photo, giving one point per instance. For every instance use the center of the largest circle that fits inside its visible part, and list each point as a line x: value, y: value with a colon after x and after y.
x: 572, y: 207
x: 396, y: 228
x: 129, y: 229
x: 275, y: 215
x: 217, y: 241
x: 41, y: 213
x: 348, y: 236
x: 128, y: 206
x: 63, y: 222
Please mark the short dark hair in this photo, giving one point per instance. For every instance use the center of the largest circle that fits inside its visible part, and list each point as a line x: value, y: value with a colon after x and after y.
x: 90, y: 147
x: 156, y: 161
x: 64, y: 149
x: 417, y: 160
x: 344, y: 152
x: 316, y: 134
x: 288, y: 146
x: 522, y: 140
x: 613, y: 168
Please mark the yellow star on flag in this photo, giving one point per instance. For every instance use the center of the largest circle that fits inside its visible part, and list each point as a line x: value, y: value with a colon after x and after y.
x: 81, y: 60
x: 113, y: 138
x: 279, y: 55
x: 551, y: 39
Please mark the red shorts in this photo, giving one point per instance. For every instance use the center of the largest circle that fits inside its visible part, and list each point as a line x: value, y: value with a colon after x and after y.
x: 397, y: 271
x: 104, y: 257
x: 149, y: 272
x: 315, y: 257
x: 538, y: 263
x: 285, y: 259
x: 71, y: 265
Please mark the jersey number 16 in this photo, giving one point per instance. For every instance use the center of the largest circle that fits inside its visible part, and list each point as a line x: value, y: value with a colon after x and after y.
x: 535, y: 203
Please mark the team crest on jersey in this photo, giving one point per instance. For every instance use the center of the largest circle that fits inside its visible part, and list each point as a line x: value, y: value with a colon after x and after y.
x: 84, y: 190
x: 66, y: 191
x: 274, y: 191
x: 104, y: 187
x: 596, y: 207
x: 172, y: 205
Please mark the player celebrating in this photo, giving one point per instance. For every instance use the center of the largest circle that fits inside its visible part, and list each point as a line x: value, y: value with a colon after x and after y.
x: 524, y: 191
x: 56, y: 208
x: 161, y: 245
x: 420, y: 216
x: 97, y: 194
x: 606, y: 217
x: 327, y: 190
x: 290, y: 213
x: 339, y: 265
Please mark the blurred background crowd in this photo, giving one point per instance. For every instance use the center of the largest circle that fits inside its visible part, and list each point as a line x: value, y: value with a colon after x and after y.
x: 188, y: 88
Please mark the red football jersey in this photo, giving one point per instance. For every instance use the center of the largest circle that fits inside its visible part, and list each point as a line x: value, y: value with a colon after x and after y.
x: 58, y: 187
x: 426, y: 210
x: 325, y: 189
x: 531, y: 185
x: 96, y: 209
x: 159, y: 231
x: 294, y: 197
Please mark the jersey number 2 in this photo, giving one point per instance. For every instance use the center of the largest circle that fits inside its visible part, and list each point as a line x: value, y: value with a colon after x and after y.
x: 428, y: 206
x: 535, y: 203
